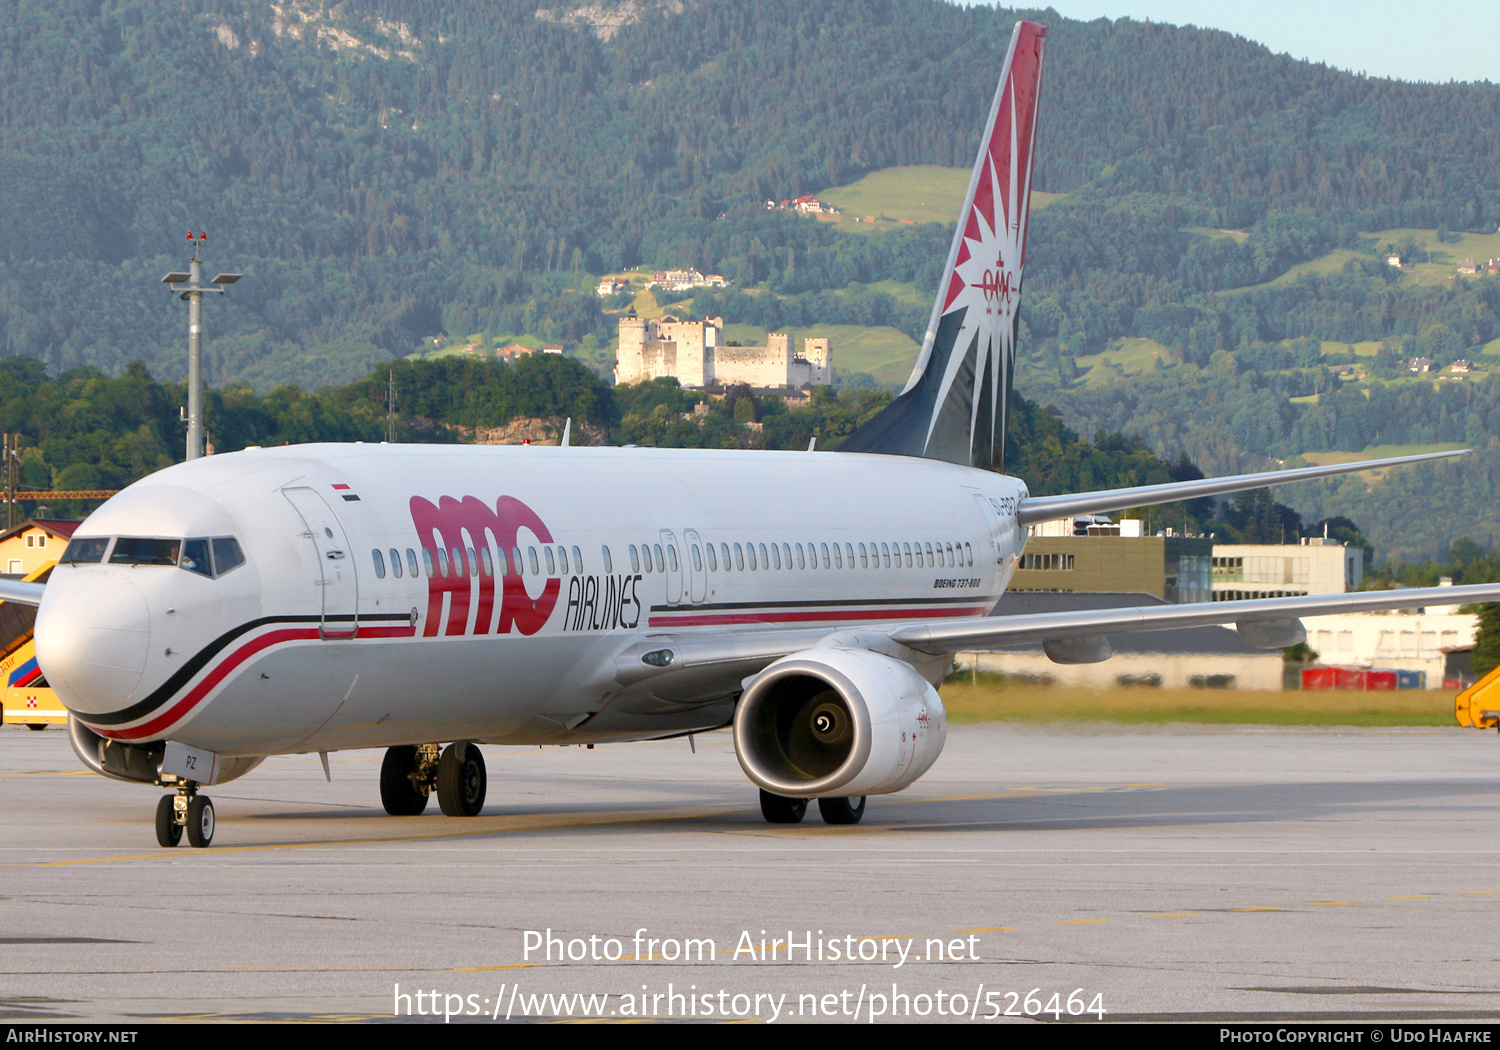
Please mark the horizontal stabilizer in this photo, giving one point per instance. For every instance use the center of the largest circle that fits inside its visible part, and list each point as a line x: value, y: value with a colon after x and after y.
x: 1051, y: 508
x: 21, y: 593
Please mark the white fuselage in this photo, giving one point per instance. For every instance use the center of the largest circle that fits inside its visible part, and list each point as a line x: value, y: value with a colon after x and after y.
x: 318, y: 642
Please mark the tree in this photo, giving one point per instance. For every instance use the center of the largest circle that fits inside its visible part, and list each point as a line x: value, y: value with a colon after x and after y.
x: 1487, y: 640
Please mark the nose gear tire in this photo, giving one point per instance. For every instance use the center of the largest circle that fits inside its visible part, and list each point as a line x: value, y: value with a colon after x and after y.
x: 168, y: 831
x: 200, y: 821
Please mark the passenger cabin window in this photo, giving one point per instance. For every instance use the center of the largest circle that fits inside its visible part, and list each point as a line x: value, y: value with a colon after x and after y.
x: 427, y: 560
x: 635, y: 562
x: 486, y: 561
x: 379, y: 561
x: 551, y: 564
x: 411, y: 563
x: 609, y: 563
x: 515, y: 561
x: 442, y: 561
x: 395, y: 563
x: 578, y: 560
x: 713, y: 563
x: 536, y: 566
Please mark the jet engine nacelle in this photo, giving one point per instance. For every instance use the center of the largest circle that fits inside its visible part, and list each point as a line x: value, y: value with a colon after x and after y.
x: 834, y: 722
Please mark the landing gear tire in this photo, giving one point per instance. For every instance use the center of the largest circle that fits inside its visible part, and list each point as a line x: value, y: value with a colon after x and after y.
x: 778, y: 809
x: 168, y: 831
x: 200, y: 820
x: 461, y: 780
x: 842, y: 810
x: 398, y: 794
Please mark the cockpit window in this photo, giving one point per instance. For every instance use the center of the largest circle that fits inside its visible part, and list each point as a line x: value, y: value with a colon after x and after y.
x: 227, y: 554
x: 201, y: 555
x: 134, y: 550
x: 195, y: 557
x: 88, y: 551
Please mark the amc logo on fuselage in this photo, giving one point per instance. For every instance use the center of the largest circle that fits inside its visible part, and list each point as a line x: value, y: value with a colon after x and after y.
x: 459, y: 527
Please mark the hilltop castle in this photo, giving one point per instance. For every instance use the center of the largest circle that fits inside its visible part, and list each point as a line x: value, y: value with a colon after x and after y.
x: 694, y: 352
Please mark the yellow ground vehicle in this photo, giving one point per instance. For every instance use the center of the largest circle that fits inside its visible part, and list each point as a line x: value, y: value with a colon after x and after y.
x: 24, y: 693
x: 1478, y: 706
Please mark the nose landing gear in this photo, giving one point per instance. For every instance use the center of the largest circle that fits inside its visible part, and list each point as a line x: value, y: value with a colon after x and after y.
x: 186, y: 810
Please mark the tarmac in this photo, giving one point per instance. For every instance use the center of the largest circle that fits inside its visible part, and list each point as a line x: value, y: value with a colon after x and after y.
x: 1178, y: 873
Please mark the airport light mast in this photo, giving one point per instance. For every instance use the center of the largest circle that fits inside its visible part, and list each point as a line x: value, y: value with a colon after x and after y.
x: 193, y: 293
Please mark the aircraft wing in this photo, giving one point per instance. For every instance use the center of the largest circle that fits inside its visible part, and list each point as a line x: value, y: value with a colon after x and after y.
x: 1275, y: 618
x: 21, y: 593
x: 693, y: 667
x: 1050, y: 508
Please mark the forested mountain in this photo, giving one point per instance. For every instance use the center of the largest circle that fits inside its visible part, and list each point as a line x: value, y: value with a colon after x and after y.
x: 386, y: 171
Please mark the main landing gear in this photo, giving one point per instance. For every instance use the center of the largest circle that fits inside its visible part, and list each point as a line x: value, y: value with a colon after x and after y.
x: 410, y: 774
x: 185, y: 810
x: 779, y: 809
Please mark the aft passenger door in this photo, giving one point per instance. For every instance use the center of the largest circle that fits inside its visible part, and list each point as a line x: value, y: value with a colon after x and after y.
x: 674, y: 567
x: 697, y: 569
x: 337, y: 585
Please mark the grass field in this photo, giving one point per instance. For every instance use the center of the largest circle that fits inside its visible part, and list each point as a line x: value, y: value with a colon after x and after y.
x: 1367, y: 348
x: 1218, y: 235
x: 915, y: 193
x: 1378, y: 452
x: 1123, y: 357
x: 1443, y: 266
x: 995, y: 698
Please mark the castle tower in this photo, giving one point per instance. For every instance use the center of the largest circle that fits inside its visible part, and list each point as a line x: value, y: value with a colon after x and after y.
x: 819, y: 354
x: 630, y: 361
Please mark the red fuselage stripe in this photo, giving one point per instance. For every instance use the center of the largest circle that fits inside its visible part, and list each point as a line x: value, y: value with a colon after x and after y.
x: 772, y: 616
x: 221, y: 670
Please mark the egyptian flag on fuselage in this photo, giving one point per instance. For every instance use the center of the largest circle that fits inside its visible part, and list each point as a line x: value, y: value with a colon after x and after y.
x: 953, y: 407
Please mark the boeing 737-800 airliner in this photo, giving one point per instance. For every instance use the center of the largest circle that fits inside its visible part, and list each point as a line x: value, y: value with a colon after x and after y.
x: 324, y: 597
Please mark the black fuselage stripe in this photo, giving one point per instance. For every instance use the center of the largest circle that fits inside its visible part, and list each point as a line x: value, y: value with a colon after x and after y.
x: 168, y: 689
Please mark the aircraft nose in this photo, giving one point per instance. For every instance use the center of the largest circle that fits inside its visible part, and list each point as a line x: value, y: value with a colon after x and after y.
x: 92, y: 644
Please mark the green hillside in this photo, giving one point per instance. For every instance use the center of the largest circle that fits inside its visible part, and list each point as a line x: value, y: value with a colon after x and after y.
x: 912, y: 193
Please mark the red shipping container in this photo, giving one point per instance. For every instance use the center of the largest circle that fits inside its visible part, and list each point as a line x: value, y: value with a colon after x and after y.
x: 1319, y: 677
x: 1380, y: 681
x: 1352, y: 677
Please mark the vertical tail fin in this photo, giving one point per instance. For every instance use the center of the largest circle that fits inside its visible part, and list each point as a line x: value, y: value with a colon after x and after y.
x: 953, y: 407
